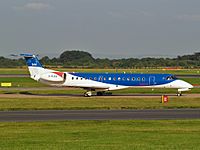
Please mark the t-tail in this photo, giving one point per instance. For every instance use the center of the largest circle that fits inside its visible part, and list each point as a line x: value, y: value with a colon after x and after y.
x: 35, y: 67
x: 102, y: 82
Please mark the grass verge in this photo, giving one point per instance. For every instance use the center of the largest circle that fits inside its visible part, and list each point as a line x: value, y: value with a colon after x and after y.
x: 81, y: 103
x: 98, y: 135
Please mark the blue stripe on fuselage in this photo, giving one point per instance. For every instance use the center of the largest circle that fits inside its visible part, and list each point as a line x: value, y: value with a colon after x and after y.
x: 127, y: 79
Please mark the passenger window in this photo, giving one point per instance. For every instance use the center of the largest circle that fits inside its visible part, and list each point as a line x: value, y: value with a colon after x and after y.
x: 123, y: 78
x: 138, y: 78
x: 104, y: 78
x: 114, y: 78
x: 72, y: 78
x: 76, y: 78
x: 119, y: 78
x: 133, y: 79
x: 143, y: 79
x: 95, y: 78
x: 109, y: 78
x: 128, y: 79
x: 90, y: 78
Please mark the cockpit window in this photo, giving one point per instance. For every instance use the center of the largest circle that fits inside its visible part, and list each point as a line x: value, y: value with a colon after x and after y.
x: 171, y: 78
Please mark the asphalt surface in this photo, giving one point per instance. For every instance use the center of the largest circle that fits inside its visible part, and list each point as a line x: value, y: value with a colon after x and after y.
x: 53, y: 115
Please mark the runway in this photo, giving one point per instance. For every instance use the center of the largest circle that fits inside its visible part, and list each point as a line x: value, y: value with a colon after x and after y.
x: 56, y: 115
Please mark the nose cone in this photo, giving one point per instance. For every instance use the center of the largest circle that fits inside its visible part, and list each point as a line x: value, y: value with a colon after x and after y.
x: 182, y: 84
x: 190, y: 86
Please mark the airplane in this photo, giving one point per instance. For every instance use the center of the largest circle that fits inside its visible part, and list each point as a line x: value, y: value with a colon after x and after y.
x: 102, y: 82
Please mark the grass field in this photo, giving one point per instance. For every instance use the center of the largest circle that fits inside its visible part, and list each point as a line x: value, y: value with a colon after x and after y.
x: 95, y: 135
x: 81, y: 103
x: 181, y: 71
x: 22, y: 82
x: 101, y: 135
x: 14, y: 71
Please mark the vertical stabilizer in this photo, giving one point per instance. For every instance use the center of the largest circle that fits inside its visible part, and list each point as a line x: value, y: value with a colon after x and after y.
x: 35, y: 67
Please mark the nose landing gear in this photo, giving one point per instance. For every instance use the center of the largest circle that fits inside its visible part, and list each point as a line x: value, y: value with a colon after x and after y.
x: 182, y: 90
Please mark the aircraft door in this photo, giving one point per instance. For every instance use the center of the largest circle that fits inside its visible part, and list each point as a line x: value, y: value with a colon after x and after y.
x: 64, y: 77
x: 152, y: 80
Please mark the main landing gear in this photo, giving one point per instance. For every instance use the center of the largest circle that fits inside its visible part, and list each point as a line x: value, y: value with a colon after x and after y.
x: 100, y: 93
x: 179, y: 94
x: 88, y: 94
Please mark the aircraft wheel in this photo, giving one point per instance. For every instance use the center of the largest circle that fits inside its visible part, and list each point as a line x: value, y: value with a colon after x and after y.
x: 179, y: 94
x: 88, y: 94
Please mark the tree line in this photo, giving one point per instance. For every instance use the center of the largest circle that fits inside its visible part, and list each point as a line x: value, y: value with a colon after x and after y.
x: 81, y: 59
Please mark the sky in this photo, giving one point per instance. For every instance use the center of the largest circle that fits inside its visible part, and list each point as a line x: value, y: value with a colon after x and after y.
x: 104, y: 28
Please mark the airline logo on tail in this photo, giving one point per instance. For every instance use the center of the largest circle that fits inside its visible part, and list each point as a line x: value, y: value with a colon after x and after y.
x: 31, y: 60
x: 34, y: 64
